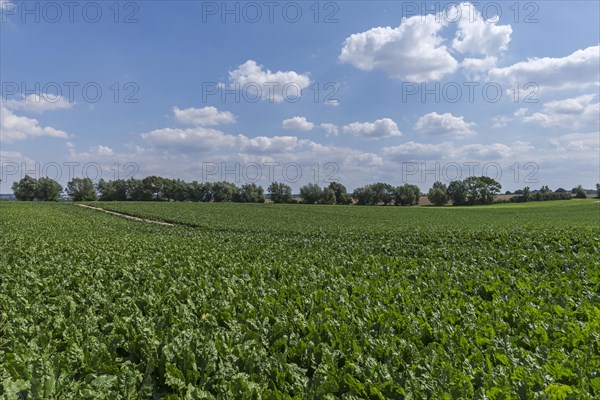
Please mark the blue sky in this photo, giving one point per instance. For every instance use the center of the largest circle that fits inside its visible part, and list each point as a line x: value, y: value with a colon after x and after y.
x: 169, y: 73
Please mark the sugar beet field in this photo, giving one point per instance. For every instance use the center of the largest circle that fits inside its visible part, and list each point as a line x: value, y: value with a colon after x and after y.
x: 296, y: 301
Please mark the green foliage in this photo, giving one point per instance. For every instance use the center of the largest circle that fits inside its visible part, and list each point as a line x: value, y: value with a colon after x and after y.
x: 157, y: 188
x: 250, y: 193
x: 473, y: 190
x: 328, y: 196
x: 280, y: 192
x: 457, y: 193
x: 580, y: 192
x: 81, y: 189
x: 43, y: 189
x: 544, y: 194
x: 526, y: 193
x: 311, y: 193
x: 112, y: 190
x: 25, y: 189
x: 374, y: 194
x: 407, y: 195
x: 225, y: 191
x: 341, y: 193
x: 437, y: 194
x: 481, y: 189
x: 256, y: 301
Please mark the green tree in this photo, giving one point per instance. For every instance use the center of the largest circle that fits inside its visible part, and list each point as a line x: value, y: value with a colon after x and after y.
x: 138, y: 191
x: 311, y: 193
x: 481, y: 189
x: 250, y: 193
x: 104, y: 190
x: 167, y: 187
x: 112, y: 190
x: 48, y: 189
x: 437, y: 194
x: 81, y: 189
x: 328, y: 196
x: 580, y: 192
x: 180, y: 190
x: 407, y: 195
x: 457, y: 193
x: 341, y: 194
x: 373, y: 194
x: 490, y: 189
x: 383, y: 193
x: 200, y: 191
x: 364, y: 196
x: 153, y: 185
x: 225, y: 191
x: 280, y: 192
x: 25, y: 189
x: 526, y: 193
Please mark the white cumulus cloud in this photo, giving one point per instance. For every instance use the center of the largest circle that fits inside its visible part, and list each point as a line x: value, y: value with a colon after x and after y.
x: 196, y: 139
x: 581, y: 69
x: 412, y: 51
x: 253, y: 80
x: 207, y: 116
x: 413, y: 151
x: 382, y: 128
x: 14, y: 128
x: 478, y: 36
x: 298, y: 124
x: 417, y: 51
x: 417, y: 151
x: 574, y: 113
x: 578, y: 142
x: 330, y: 129
x: 440, y: 124
x: 477, y: 68
x: 38, y: 104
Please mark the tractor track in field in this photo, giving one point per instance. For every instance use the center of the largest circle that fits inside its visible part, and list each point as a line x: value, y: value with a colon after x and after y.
x: 130, y: 217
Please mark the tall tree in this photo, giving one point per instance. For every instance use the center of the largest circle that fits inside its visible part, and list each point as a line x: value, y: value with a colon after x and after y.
x: 341, y: 193
x: 138, y: 191
x: 580, y: 192
x: 457, y: 193
x: 180, y: 190
x: 25, y: 189
x: 311, y: 193
x: 437, y: 194
x: 328, y: 196
x: 407, y: 195
x: 383, y: 193
x: 153, y: 185
x: 364, y: 196
x: 481, y: 189
x: 81, y: 189
x: 280, y: 192
x: 200, y: 191
x: 48, y: 189
x: 225, y: 191
x: 251, y: 193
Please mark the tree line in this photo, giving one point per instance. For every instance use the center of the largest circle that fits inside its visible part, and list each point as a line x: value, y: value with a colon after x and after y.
x: 545, y: 194
x: 470, y: 191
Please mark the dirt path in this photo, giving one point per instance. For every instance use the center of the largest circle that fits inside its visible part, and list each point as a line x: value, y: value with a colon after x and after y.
x: 149, y: 221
